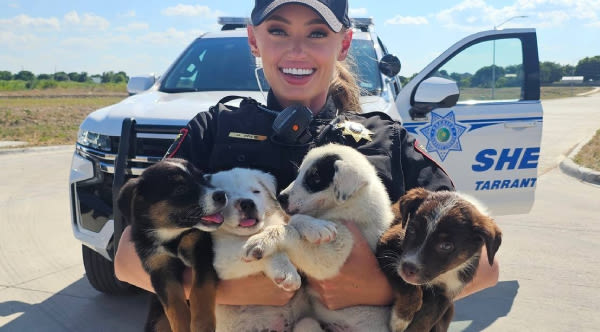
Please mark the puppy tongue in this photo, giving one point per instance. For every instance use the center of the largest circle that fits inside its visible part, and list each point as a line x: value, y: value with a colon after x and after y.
x: 248, y: 222
x: 215, y: 218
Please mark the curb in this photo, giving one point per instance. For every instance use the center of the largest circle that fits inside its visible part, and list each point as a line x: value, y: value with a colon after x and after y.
x: 569, y: 167
x: 36, y: 149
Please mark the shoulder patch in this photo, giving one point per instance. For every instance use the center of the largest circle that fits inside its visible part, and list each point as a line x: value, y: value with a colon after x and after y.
x: 176, y: 143
x: 421, y: 149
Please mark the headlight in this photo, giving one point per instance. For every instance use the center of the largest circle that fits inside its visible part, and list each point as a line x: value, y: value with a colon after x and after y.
x: 94, y: 140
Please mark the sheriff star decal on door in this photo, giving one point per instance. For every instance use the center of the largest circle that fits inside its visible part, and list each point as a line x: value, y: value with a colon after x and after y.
x: 443, y: 134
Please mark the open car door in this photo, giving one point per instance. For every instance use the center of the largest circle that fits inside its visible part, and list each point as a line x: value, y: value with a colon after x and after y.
x: 476, y: 110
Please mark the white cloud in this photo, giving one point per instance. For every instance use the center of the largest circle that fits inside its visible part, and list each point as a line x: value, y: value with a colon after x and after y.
x: 130, y: 13
x: 472, y: 15
x: 81, y: 43
x: 594, y: 24
x: 415, y: 20
x: 11, y: 40
x: 87, y: 20
x: 24, y: 21
x: 169, y: 37
x: 135, y: 26
x: 190, y: 10
x: 553, y: 18
x: 355, y: 12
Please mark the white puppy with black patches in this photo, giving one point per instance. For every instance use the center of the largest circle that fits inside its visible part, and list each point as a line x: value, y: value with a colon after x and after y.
x: 251, y: 207
x: 335, y: 184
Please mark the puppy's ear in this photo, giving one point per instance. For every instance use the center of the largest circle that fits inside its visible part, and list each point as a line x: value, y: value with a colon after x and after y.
x: 269, y: 183
x: 126, y: 198
x: 346, y: 181
x: 410, y: 202
x: 491, y: 234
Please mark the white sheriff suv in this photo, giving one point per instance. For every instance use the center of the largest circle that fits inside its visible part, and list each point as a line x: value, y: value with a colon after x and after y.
x: 475, y: 109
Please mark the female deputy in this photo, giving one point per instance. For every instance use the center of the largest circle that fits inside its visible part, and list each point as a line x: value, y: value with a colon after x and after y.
x: 302, y: 45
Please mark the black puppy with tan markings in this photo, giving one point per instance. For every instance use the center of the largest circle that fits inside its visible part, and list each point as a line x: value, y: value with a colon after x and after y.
x: 171, y: 207
x: 430, y: 254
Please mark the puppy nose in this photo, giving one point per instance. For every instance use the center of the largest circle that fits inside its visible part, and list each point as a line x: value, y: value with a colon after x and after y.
x: 219, y: 197
x: 409, y: 269
x: 283, y: 200
x: 247, y: 205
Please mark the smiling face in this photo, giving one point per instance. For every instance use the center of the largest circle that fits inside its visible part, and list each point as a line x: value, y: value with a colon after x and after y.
x: 299, y: 52
x: 251, y: 200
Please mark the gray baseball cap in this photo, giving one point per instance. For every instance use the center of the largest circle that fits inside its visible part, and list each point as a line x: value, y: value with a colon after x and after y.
x: 334, y: 12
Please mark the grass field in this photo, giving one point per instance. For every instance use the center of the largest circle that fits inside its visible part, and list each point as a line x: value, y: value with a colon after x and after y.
x: 52, y: 116
x: 46, y: 121
x: 589, y: 155
x: 49, y: 87
x: 547, y: 92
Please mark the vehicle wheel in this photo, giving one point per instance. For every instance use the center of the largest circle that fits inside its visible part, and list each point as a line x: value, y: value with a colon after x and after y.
x: 101, y: 274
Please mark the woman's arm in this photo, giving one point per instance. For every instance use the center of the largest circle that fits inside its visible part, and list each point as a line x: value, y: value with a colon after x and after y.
x: 361, y: 281
x: 252, y: 290
x: 486, y: 276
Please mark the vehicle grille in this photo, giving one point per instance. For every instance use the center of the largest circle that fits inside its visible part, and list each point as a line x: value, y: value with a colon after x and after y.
x: 147, y: 152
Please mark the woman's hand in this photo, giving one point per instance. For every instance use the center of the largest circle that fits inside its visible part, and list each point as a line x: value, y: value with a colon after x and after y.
x: 253, y: 290
x: 360, y: 281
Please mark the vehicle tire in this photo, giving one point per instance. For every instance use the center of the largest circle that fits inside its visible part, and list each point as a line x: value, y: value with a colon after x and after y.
x: 100, y: 272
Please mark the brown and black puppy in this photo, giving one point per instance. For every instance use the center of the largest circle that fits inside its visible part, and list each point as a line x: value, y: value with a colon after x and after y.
x: 431, y: 252
x: 170, y: 207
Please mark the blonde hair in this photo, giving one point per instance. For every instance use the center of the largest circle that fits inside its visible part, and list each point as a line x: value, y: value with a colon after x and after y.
x: 344, y: 89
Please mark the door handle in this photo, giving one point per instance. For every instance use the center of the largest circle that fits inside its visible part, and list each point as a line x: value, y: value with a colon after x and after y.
x: 520, y: 124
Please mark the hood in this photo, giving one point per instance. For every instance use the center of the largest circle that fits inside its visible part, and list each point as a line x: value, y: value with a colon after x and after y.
x: 155, y: 107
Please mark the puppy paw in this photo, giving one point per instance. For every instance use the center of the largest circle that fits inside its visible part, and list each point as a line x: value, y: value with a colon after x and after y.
x: 261, y: 245
x: 288, y: 280
x: 314, y: 230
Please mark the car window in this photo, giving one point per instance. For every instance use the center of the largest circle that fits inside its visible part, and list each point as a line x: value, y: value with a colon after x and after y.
x: 489, y: 70
x: 214, y: 64
x: 223, y: 64
x: 366, y: 66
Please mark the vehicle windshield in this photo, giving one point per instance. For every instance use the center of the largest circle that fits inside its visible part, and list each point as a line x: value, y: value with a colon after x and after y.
x: 226, y: 64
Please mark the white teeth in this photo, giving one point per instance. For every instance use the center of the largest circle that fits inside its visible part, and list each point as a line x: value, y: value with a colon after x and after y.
x: 297, y: 71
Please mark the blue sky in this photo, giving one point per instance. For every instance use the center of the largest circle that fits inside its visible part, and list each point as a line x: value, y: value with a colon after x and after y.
x: 141, y: 37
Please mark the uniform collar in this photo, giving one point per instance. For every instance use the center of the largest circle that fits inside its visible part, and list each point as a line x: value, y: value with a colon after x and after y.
x: 329, y: 111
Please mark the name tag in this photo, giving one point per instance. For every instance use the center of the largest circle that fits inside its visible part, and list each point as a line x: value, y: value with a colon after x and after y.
x: 248, y: 136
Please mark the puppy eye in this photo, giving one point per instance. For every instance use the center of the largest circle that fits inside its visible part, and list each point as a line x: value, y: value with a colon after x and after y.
x: 180, y: 190
x: 314, y: 178
x: 446, y: 247
x: 256, y: 191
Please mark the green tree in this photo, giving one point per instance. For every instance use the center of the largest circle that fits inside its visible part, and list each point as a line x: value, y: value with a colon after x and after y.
x: 483, y: 76
x: 24, y: 75
x: 83, y: 77
x: 74, y: 77
x: 550, y: 72
x: 568, y: 70
x: 5, y: 75
x: 108, y: 76
x: 589, y: 68
x: 44, y: 77
x: 61, y: 76
x: 120, y: 77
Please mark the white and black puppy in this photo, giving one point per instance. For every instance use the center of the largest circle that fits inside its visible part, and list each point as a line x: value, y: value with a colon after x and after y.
x: 431, y: 252
x: 251, y: 207
x: 335, y: 184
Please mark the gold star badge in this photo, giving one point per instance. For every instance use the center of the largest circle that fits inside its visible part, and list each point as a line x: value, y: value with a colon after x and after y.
x: 356, y: 130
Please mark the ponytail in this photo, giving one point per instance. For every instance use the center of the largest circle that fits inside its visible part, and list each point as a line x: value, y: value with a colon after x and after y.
x: 344, y: 90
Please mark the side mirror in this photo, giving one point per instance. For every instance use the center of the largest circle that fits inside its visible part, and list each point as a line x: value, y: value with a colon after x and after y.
x: 138, y: 84
x: 434, y: 92
x: 389, y: 65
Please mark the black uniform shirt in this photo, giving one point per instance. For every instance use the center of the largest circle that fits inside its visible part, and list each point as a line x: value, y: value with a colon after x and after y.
x: 224, y: 138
